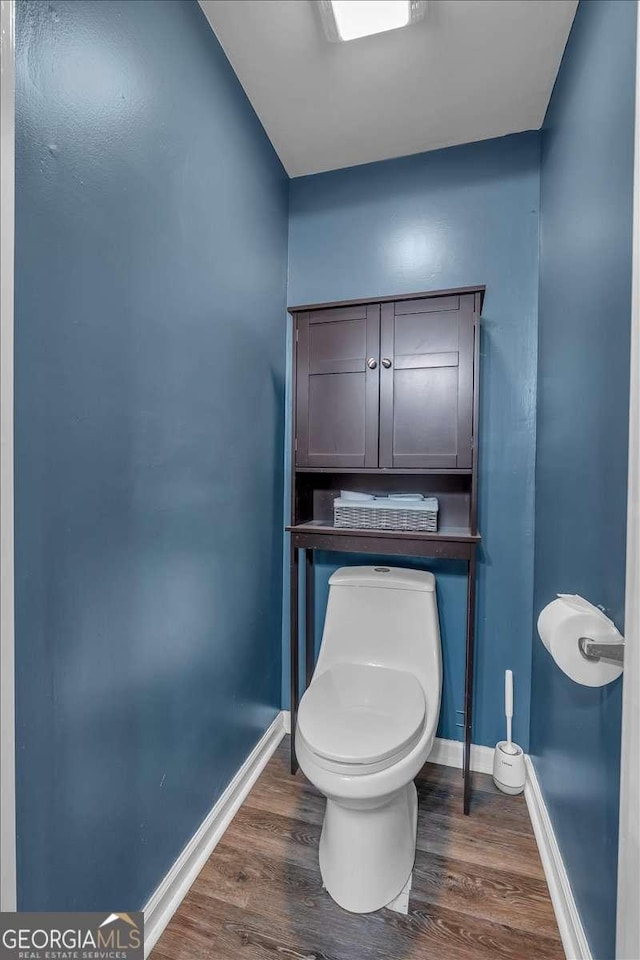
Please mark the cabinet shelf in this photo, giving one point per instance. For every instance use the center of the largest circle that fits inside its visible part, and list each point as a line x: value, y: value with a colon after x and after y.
x: 462, y: 534
x: 392, y: 471
x: 449, y: 543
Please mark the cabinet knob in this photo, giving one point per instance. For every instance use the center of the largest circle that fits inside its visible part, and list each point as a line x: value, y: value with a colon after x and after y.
x: 372, y: 363
x: 386, y: 363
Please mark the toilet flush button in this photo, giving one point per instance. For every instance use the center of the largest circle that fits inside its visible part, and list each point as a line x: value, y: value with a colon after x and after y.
x: 382, y: 569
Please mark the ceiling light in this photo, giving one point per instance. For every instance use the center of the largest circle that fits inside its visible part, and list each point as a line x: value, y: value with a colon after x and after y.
x: 351, y: 19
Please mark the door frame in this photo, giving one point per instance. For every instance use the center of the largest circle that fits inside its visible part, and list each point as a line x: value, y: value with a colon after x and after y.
x: 7, y: 637
x: 628, y: 924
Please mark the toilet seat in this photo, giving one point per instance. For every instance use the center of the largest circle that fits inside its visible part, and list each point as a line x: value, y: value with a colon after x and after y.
x: 359, y: 718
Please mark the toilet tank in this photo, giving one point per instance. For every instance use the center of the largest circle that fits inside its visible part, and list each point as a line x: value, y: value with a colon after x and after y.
x: 387, y: 616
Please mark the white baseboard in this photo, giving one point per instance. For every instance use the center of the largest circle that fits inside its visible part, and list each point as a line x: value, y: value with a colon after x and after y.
x: 574, y: 940
x: 449, y: 754
x: 169, y: 894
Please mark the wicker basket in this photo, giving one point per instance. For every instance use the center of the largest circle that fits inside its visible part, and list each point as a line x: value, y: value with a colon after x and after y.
x: 384, y: 514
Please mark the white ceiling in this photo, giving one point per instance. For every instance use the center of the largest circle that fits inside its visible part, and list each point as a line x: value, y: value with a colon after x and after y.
x: 473, y: 69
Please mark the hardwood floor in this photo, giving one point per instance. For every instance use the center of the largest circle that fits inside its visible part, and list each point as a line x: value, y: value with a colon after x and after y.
x: 478, y: 891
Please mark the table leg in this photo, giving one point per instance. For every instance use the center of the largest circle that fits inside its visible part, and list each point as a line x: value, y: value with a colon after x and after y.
x: 309, y: 599
x: 294, y: 653
x: 468, y: 682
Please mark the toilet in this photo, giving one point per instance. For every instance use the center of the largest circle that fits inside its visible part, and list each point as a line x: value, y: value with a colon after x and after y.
x: 366, y: 725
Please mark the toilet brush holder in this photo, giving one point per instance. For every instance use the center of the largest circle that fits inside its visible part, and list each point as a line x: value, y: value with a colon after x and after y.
x: 509, y: 773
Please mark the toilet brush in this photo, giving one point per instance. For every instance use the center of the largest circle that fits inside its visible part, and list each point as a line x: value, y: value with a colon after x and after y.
x: 508, y: 709
x: 509, y: 773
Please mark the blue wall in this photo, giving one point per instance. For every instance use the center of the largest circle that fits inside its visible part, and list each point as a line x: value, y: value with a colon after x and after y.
x: 581, y: 475
x: 444, y: 219
x: 151, y: 272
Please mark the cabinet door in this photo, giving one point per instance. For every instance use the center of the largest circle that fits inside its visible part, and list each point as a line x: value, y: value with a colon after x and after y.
x: 426, y: 383
x: 337, y: 387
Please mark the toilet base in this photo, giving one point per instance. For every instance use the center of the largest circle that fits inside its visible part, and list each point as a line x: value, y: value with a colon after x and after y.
x: 367, y: 849
x: 400, y: 904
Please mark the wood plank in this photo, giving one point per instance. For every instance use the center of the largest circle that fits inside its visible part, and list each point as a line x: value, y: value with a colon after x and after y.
x: 295, y: 841
x: 273, y: 797
x: 488, y: 809
x: 241, y: 876
x: 515, y: 900
x: 478, y: 892
x: 184, y: 939
x: 317, y: 927
x: 481, y: 846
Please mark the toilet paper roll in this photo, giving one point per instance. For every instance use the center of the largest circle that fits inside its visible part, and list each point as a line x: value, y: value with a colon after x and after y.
x: 562, y: 623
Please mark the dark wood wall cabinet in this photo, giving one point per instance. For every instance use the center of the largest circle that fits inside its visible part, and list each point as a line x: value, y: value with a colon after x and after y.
x: 385, y: 400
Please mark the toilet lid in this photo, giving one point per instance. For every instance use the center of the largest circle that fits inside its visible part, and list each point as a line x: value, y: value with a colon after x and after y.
x: 359, y: 713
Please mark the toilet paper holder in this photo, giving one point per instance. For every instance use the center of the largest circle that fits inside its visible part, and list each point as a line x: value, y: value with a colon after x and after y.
x: 596, y: 650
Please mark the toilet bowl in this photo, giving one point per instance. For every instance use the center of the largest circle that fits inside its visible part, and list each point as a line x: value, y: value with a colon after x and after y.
x: 366, y: 725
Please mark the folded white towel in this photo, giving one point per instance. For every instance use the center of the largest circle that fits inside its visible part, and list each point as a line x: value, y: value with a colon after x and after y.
x: 352, y: 495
